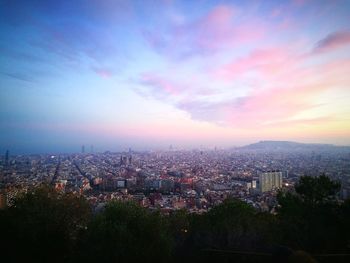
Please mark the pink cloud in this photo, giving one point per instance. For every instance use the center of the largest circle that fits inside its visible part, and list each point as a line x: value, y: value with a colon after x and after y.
x: 290, y: 87
x: 304, y: 121
x: 334, y: 41
x: 217, y: 30
x: 103, y: 72
x: 274, y: 105
x: 220, y: 16
x: 260, y: 108
x: 267, y: 63
x: 159, y: 87
x: 286, y: 84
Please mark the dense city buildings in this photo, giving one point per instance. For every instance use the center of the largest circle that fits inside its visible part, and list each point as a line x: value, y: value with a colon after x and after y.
x: 195, y: 180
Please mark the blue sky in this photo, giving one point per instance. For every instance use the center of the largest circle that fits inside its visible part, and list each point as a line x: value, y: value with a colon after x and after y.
x: 147, y: 74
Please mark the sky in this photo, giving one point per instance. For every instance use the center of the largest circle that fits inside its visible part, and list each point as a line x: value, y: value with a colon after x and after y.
x: 148, y: 74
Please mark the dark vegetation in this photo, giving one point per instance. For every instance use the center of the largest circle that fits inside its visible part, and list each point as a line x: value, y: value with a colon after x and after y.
x: 47, y: 226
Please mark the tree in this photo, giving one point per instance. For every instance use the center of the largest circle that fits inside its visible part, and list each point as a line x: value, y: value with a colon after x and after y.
x: 315, y: 190
x: 126, y: 232
x: 178, y: 224
x: 231, y: 226
x: 42, y: 225
x: 310, y: 217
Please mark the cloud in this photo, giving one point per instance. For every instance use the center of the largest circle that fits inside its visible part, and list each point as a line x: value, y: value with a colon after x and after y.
x: 257, y: 109
x: 285, y: 86
x: 153, y: 85
x: 333, y: 41
x: 18, y: 76
x: 103, y: 72
x: 78, y: 33
x: 303, y: 121
x: 73, y: 39
x: 271, y: 62
x: 274, y: 105
x: 20, y: 55
x: 217, y: 30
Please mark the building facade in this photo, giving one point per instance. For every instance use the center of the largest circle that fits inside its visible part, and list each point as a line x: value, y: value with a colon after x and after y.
x: 270, y: 180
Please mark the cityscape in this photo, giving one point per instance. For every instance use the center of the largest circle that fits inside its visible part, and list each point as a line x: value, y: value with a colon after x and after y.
x: 170, y: 180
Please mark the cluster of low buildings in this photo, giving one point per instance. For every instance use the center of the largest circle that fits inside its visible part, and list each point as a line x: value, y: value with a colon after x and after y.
x: 169, y: 180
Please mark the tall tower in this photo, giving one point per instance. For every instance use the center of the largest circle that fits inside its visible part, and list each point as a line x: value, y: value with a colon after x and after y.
x: 83, y: 149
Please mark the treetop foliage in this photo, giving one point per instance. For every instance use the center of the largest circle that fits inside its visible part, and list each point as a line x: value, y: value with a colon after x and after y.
x: 44, y: 225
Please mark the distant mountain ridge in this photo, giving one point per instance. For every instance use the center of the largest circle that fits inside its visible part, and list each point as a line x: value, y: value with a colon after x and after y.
x: 290, y: 146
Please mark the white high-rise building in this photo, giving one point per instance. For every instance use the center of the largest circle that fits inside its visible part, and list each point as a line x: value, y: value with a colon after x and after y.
x: 270, y: 180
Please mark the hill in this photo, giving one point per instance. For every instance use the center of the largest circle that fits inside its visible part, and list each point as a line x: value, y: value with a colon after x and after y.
x: 292, y: 146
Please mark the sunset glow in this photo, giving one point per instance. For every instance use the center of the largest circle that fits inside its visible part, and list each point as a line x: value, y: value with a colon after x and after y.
x: 147, y: 74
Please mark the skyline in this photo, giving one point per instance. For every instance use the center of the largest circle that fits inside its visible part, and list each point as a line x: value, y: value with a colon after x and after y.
x: 147, y: 74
